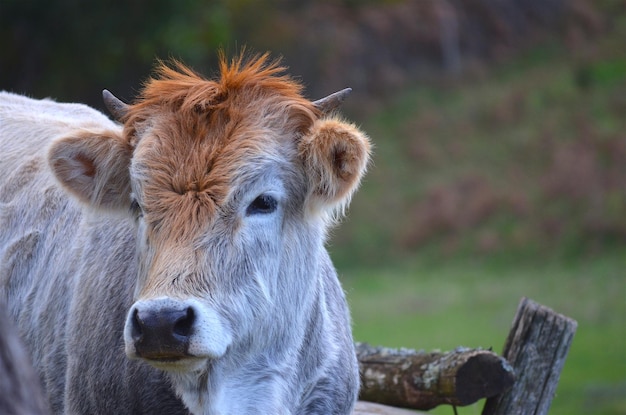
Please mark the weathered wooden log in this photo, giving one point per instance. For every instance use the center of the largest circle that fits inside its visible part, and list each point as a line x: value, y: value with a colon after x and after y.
x: 419, y: 380
x: 536, y: 347
x: 20, y: 390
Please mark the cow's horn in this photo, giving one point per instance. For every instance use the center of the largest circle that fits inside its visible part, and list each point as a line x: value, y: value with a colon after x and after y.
x: 115, y: 106
x: 331, y: 102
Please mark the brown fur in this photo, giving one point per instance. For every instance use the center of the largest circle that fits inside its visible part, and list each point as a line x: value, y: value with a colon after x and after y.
x: 212, y: 122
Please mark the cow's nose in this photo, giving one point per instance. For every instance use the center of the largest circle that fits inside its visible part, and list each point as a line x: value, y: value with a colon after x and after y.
x: 163, y: 333
x: 165, y: 329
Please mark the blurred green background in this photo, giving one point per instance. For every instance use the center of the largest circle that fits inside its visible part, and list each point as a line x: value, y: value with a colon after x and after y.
x: 500, y: 149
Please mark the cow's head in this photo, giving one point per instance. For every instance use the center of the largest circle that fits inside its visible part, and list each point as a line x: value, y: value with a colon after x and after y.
x: 231, y: 184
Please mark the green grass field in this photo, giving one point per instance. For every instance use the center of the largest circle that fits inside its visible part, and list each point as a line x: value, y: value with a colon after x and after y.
x: 482, y: 192
x: 472, y: 304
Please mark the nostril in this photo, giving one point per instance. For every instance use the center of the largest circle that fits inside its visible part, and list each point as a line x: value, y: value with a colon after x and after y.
x: 136, y: 330
x: 183, y: 325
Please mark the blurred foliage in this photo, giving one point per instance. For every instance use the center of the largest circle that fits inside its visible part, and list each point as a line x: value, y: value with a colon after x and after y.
x: 69, y: 49
x: 499, y: 126
x: 529, y: 162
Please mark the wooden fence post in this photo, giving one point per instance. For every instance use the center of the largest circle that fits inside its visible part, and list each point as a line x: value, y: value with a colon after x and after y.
x: 536, y: 347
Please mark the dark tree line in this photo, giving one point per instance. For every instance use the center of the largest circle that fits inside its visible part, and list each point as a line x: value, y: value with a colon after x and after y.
x: 70, y: 49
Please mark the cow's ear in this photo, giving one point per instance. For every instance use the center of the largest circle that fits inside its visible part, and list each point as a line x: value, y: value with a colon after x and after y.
x: 94, y: 167
x: 335, y: 155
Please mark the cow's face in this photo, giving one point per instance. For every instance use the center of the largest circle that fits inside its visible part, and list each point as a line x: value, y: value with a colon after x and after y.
x: 230, y: 197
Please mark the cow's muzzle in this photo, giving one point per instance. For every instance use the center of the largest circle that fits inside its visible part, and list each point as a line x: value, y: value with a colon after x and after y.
x: 167, y: 330
x: 162, y: 334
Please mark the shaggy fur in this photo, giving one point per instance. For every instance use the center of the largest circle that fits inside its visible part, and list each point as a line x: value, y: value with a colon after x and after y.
x: 164, y: 215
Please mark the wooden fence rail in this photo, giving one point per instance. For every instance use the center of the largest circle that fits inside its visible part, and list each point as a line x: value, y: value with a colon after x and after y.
x: 419, y: 380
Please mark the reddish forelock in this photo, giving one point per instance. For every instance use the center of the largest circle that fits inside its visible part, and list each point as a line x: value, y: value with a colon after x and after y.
x: 206, y: 129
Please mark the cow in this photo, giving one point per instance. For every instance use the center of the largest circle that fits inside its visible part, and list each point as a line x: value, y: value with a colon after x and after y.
x: 172, y: 260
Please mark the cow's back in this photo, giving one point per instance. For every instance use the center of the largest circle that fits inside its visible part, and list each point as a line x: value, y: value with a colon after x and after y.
x: 67, y: 276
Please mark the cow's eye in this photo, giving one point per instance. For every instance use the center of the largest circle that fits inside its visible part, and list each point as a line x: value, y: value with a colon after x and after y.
x: 262, y: 205
x: 135, y: 209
